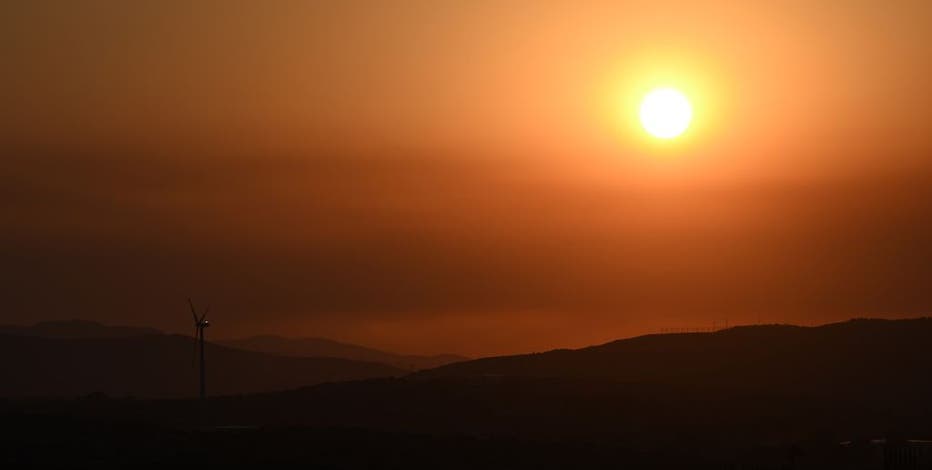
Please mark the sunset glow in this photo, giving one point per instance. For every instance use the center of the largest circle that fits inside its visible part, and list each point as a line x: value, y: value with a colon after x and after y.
x: 466, y: 177
x: 665, y: 113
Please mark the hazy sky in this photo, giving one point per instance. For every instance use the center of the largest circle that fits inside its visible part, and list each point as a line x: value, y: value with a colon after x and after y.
x: 463, y: 176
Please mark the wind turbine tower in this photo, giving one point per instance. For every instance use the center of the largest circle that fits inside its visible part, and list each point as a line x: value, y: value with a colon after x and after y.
x: 200, y: 323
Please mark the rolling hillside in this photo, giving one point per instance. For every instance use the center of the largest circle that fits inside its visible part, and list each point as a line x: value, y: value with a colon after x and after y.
x: 157, y: 366
x: 321, y: 347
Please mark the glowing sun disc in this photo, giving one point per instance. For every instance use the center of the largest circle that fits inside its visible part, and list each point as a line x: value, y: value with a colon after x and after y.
x: 665, y: 113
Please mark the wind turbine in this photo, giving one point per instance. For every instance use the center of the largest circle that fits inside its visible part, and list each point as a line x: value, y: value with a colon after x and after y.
x: 200, y: 323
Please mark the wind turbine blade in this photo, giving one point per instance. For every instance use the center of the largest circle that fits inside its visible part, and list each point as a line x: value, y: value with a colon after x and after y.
x: 193, y: 312
x: 204, y: 316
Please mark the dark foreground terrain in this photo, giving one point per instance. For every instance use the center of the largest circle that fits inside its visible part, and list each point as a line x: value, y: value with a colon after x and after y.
x: 66, y: 441
x: 59, y: 440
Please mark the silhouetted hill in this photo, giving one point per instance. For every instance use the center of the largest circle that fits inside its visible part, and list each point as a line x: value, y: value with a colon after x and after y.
x: 320, y: 347
x: 157, y: 366
x: 839, y: 357
x: 76, y: 329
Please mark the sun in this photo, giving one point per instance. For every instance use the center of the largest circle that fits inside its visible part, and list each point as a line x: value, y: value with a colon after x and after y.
x: 665, y: 113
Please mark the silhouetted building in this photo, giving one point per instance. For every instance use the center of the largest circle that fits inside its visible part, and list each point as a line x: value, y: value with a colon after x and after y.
x: 890, y: 454
x: 907, y: 455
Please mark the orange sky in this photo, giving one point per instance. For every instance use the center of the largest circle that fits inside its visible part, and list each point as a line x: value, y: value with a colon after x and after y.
x: 464, y: 176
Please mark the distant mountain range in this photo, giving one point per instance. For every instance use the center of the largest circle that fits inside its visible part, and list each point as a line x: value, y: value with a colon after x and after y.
x: 693, y: 394
x: 752, y: 383
x: 296, y: 347
x: 76, y: 329
x: 72, y: 358
x: 860, y: 376
x: 320, y: 347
